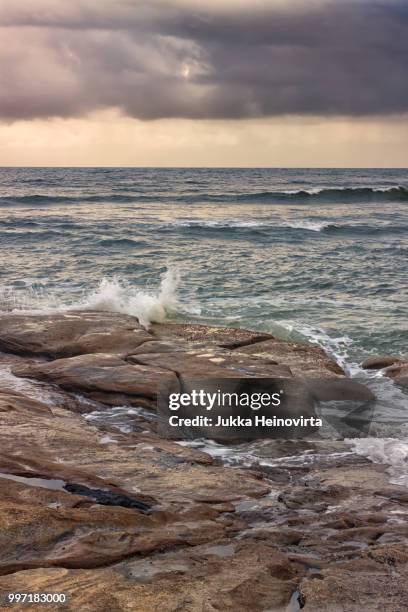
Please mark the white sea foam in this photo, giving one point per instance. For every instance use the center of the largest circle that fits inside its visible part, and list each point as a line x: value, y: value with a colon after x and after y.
x: 112, y: 295
x: 388, y: 451
x: 312, y: 226
x: 306, y: 224
x: 310, y: 191
x: 218, y: 223
x: 115, y: 295
x: 337, y: 347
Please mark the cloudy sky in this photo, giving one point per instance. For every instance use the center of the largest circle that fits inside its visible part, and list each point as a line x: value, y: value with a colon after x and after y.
x: 204, y: 82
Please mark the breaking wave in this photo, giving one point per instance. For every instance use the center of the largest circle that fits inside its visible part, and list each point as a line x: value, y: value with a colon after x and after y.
x: 149, y: 307
x: 111, y: 295
x: 316, y: 194
x: 222, y: 224
x: 305, y: 225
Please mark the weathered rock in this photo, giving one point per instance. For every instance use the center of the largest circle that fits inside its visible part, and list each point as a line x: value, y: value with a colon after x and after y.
x: 207, y: 577
x: 304, y: 360
x: 225, y: 337
x: 71, y: 333
x: 402, y: 381
x: 397, y: 371
x: 377, y: 583
x: 207, y: 363
x: 101, y: 373
x: 340, y: 389
x: 378, y: 362
x: 129, y: 521
x: 69, y: 499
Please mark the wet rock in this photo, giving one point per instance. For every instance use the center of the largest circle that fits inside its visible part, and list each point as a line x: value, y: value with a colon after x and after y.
x: 402, y: 381
x: 399, y: 373
x: 113, y: 518
x: 378, y: 362
x: 108, y: 498
x: 204, y: 578
x: 70, y: 333
x: 360, y: 584
x: 312, y: 497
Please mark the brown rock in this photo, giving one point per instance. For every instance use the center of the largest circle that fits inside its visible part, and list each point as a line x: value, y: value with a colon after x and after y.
x: 70, y: 333
x: 304, y: 360
x: 379, y: 362
x: 361, y: 584
x: 102, y: 373
x: 402, y: 381
x: 211, y: 363
x: 340, y: 389
x: 397, y: 371
x: 225, y: 337
x: 220, y: 576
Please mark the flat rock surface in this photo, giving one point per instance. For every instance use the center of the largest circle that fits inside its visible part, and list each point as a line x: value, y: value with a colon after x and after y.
x: 99, y: 372
x: 303, y: 359
x: 220, y: 336
x: 70, y: 333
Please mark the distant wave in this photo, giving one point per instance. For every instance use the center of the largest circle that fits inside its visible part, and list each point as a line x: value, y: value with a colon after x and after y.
x: 313, y: 226
x: 334, y: 194
x: 304, y: 225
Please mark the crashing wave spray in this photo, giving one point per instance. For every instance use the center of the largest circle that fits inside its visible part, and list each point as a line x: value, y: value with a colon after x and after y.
x: 116, y: 295
x: 112, y: 295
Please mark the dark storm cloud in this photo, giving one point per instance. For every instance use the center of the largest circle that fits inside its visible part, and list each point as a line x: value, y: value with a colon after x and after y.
x: 208, y: 59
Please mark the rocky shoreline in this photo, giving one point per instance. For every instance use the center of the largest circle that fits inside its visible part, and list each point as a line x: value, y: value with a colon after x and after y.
x: 124, y: 519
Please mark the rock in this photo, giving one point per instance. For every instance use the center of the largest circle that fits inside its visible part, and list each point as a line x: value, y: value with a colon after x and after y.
x: 71, y: 333
x: 207, y: 577
x: 402, y: 381
x: 310, y: 497
x: 379, y: 362
x: 121, y: 520
x: 100, y: 373
x: 211, y: 363
x: 69, y: 500
x: 340, y: 389
x: 398, y: 372
x: 360, y: 584
x: 304, y: 360
x: 225, y: 337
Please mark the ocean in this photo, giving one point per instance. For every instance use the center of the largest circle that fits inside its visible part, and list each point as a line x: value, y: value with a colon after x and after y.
x: 316, y: 255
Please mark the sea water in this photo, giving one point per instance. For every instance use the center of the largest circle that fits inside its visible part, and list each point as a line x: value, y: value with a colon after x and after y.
x: 316, y: 255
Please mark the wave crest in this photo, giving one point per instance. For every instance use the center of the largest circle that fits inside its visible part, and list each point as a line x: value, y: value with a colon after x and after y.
x: 313, y: 194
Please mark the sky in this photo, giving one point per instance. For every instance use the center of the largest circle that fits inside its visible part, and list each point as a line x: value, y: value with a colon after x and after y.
x: 204, y: 83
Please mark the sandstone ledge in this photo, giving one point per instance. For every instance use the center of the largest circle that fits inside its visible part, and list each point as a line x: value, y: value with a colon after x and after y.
x: 124, y: 520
